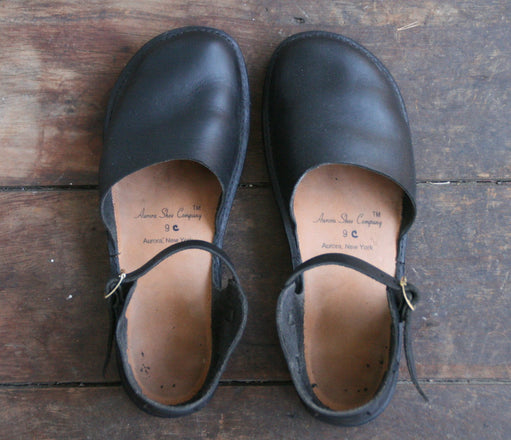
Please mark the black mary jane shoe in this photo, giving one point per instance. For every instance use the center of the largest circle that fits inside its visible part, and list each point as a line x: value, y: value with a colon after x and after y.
x: 175, y: 139
x: 340, y: 158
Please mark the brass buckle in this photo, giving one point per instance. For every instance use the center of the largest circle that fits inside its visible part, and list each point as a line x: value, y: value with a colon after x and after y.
x: 403, y: 283
x: 122, y: 275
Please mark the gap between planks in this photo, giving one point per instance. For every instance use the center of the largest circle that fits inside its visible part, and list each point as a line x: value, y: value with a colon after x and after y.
x: 48, y: 188
x: 239, y: 383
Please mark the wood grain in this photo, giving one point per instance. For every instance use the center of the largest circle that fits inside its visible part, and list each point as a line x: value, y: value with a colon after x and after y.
x: 460, y: 255
x: 473, y: 412
x: 53, y: 320
x: 60, y: 59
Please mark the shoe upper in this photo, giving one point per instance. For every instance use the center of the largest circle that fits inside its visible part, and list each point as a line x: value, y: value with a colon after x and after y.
x: 181, y: 97
x: 329, y: 101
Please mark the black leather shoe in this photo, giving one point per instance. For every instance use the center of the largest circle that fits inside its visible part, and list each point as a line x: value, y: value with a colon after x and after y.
x: 340, y: 158
x: 175, y: 138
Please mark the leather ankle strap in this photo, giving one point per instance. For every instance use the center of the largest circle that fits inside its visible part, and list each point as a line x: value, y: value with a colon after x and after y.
x: 406, y: 294
x: 115, y: 283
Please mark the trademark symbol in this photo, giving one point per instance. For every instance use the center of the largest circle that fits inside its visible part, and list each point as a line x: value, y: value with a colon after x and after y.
x: 376, y: 214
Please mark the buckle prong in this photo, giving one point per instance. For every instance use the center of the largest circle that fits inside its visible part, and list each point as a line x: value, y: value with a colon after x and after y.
x: 122, y: 275
x: 403, y: 283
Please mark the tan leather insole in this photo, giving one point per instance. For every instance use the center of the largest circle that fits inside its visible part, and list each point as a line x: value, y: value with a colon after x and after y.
x: 347, y: 323
x: 169, y: 316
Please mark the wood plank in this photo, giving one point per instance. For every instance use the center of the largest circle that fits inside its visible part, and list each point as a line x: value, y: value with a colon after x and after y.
x: 455, y: 411
x: 60, y: 59
x: 53, y: 320
x: 460, y: 256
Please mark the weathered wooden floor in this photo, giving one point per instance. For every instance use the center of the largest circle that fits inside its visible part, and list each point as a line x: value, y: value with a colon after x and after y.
x: 58, y: 61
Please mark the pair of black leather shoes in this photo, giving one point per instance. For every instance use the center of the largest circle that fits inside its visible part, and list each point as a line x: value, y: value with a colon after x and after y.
x: 340, y: 159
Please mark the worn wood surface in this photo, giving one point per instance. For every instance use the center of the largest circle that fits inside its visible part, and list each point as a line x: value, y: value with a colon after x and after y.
x: 58, y: 62
x: 473, y: 412
x: 60, y: 59
x: 53, y: 321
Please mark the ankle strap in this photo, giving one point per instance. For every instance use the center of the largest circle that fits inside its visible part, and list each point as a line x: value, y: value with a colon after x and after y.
x: 113, y: 284
x: 406, y: 294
